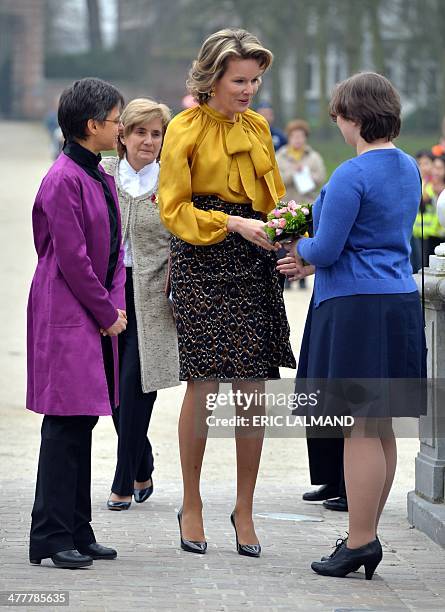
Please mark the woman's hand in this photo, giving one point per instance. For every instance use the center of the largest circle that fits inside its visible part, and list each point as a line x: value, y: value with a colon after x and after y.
x: 253, y: 231
x: 302, y: 270
x: 308, y: 270
x: 118, y: 326
x: 293, y: 267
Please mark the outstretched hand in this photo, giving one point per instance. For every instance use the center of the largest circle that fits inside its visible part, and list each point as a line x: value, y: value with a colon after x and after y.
x: 253, y: 231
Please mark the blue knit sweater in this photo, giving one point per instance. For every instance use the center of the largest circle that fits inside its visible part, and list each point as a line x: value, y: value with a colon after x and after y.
x: 363, y: 221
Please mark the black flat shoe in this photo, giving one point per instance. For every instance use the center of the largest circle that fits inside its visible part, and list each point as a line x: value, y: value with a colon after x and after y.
x: 326, y: 491
x: 141, y: 495
x: 68, y: 559
x: 346, y: 560
x: 191, y: 546
x: 118, y: 505
x: 97, y: 551
x: 340, y: 504
x: 248, y: 550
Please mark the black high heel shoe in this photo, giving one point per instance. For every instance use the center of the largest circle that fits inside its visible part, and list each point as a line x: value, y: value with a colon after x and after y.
x: 191, y: 546
x: 338, y: 544
x: 118, y: 505
x: 248, y: 550
x: 345, y: 560
x: 141, y: 495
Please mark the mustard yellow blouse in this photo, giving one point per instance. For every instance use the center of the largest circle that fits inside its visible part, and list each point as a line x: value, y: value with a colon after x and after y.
x: 205, y: 153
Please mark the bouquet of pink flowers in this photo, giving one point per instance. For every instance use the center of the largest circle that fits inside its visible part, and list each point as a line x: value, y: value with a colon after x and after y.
x: 288, y: 221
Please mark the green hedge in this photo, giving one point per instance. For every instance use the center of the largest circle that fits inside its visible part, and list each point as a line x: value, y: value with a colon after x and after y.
x: 104, y: 64
x: 335, y: 151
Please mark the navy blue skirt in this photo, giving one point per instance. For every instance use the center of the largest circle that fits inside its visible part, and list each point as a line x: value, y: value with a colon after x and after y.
x: 366, y: 355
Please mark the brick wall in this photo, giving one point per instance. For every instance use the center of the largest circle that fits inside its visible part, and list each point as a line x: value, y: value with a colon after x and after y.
x: 27, y: 20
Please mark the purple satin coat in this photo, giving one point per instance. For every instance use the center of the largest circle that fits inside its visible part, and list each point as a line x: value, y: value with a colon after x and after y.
x: 68, y: 302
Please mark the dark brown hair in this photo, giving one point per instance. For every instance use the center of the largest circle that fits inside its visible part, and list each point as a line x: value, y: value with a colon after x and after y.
x: 369, y: 99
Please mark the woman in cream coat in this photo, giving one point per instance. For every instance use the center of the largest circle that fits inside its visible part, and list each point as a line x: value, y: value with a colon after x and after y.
x: 148, y: 350
x: 297, y: 158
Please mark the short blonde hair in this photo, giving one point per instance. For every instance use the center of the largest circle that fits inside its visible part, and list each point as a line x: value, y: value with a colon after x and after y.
x: 138, y: 111
x: 214, y: 55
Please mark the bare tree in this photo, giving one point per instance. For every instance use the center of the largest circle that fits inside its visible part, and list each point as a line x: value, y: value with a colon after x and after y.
x: 435, y: 24
x: 301, y: 41
x: 322, y: 16
x: 378, y: 53
x: 352, y: 16
x: 158, y: 34
x: 94, y: 27
x: 63, y: 27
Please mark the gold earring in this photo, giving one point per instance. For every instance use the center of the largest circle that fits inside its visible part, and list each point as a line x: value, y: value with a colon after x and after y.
x: 212, y: 93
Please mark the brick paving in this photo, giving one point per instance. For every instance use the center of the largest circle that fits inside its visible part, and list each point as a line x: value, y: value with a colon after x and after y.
x: 151, y: 572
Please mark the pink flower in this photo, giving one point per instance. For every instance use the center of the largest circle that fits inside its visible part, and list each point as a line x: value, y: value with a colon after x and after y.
x: 282, y: 223
x: 277, y: 212
x: 279, y: 231
x: 275, y: 222
x: 292, y: 205
x: 305, y: 211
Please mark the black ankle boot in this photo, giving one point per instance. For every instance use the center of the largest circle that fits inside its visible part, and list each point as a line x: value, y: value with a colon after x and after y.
x: 346, y: 560
x: 338, y: 544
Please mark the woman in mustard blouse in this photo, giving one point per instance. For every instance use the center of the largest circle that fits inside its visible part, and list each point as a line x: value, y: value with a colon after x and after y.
x: 218, y: 180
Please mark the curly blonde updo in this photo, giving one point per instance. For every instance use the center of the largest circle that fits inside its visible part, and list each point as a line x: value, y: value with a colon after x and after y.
x: 214, y: 55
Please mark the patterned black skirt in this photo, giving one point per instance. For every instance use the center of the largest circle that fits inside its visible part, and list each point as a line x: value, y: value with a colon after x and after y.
x: 228, y: 304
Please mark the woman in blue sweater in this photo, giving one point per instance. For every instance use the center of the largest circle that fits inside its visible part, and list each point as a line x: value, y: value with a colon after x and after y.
x: 365, y: 319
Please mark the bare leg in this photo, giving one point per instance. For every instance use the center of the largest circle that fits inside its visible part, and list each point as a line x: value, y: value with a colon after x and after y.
x: 192, y: 432
x: 365, y: 477
x: 249, y: 444
x: 389, y: 446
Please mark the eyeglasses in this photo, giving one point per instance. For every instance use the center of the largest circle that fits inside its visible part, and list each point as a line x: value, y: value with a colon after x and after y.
x: 115, y: 121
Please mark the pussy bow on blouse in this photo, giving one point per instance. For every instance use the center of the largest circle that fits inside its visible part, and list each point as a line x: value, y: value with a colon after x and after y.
x: 205, y: 153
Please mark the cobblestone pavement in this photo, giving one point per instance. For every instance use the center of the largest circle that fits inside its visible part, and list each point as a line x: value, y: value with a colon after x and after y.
x: 151, y: 573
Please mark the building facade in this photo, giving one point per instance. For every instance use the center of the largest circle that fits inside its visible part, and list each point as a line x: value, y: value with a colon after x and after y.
x: 22, y: 58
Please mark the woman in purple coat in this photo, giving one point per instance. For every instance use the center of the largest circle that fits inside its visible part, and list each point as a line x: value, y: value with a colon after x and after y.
x: 76, y: 309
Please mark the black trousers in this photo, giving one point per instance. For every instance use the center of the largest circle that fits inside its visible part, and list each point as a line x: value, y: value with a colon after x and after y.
x: 326, y: 461
x: 61, y: 514
x: 132, y: 417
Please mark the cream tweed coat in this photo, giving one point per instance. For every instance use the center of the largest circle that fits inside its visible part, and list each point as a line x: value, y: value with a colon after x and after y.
x: 158, y: 346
